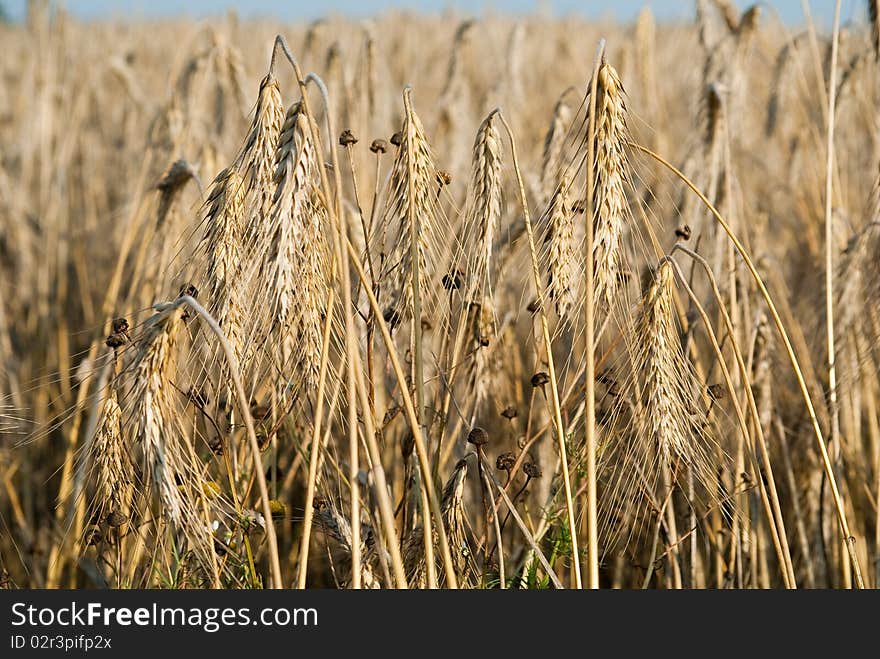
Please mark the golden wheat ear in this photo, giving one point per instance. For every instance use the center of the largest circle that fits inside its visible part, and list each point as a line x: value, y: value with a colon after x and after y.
x: 484, y: 212
x: 611, y: 176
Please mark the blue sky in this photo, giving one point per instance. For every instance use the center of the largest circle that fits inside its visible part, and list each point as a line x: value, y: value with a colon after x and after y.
x: 295, y: 10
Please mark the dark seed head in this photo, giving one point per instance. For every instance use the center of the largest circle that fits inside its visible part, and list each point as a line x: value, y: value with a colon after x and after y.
x: 216, y: 445
x: 452, y: 280
x: 505, y: 461
x: 116, y: 340
x: 534, y: 306
x: 540, y: 378
x: 260, y: 412
x: 115, y: 519
x: 347, y: 138
x: 379, y: 146
x: 406, y: 445
x: 509, y: 412
x: 118, y: 336
x: 532, y: 470
x: 189, y: 289
x: 716, y: 391
x: 93, y: 536
x: 444, y: 177
x: 397, y: 138
x: 683, y: 232
x: 478, y: 437
x: 392, y: 317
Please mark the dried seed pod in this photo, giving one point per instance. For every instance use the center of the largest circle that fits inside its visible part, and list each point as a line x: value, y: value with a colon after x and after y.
x: 379, y: 146
x: 116, y: 340
x: 478, y: 437
x: 509, y: 412
x: 392, y: 317
x: 505, y: 461
x: 716, y: 391
x: 347, y: 138
x: 540, y: 378
x: 532, y: 470
x: 115, y: 519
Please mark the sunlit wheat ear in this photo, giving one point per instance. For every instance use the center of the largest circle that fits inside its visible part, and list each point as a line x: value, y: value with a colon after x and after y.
x: 112, y: 461
x: 224, y: 232
x: 455, y: 522
x: 666, y: 433
x: 673, y: 422
x: 554, y: 146
x: 669, y: 391
x: 611, y: 176
x: 315, y: 287
x: 153, y: 413
x: 411, y: 195
x: 485, y: 200
x: 563, y: 270
x: 257, y: 157
x: 295, y: 273
x: 290, y: 180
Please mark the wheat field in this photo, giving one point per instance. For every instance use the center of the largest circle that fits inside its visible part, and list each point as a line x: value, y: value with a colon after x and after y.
x: 423, y: 301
